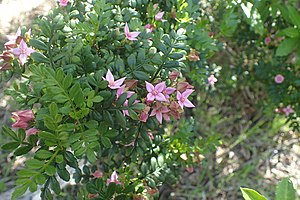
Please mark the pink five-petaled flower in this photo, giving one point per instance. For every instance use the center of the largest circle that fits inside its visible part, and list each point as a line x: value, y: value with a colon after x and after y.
x: 63, y: 3
x: 32, y: 131
x: 13, y: 39
x: 212, y: 80
x: 167, y: 91
x: 22, y: 52
x: 156, y: 92
x: 22, y: 118
x: 113, y: 179
x: 112, y: 84
x: 159, y: 16
x: 183, y: 99
x: 288, y: 110
x: 160, y: 112
x: 279, y: 78
x: 97, y: 174
x: 130, y: 35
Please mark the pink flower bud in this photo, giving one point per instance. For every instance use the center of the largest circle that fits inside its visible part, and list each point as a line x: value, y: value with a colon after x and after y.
x: 279, y: 78
x: 183, y: 86
x: 32, y: 131
x: 173, y: 75
x: 97, y: 174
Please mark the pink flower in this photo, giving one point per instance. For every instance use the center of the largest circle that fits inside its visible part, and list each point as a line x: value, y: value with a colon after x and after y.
x: 23, y: 115
x: 32, y: 131
x: 173, y: 75
x: 155, y: 6
x: 167, y: 91
x: 63, y: 3
x: 212, y: 80
x: 144, y: 114
x: 130, y: 35
x: 279, y: 78
x: 97, y: 174
x: 288, y: 110
x: 267, y: 40
x: 121, y: 90
x: 160, y: 112
x: 159, y: 16
x: 149, y: 27
x: 125, y: 112
x: 112, y: 84
x: 113, y: 179
x: 21, y: 124
x: 183, y: 99
x: 13, y: 39
x: 156, y: 92
x: 175, y: 110
x: 150, y: 135
x: 183, y: 86
x: 22, y: 52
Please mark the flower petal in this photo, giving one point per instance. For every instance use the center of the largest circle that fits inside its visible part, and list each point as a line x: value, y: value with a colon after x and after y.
x: 126, y: 29
x: 187, y: 93
x: 160, y: 97
x: 23, y: 58
x: 134, y: 34
x: 149, y: 87
x: 150, y: 97
x: 120, y: 81
x: 160, y: 86
x: 188, y: 104
x: 159, y: 117
x: 16, y: 51
x: 109, y: 77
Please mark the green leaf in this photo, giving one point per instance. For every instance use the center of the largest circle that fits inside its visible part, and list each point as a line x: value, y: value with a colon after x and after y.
x: 53, y: 109
x: 91, y: 155
x: 40, y: 179
x: 286, y: 46
x: 19, y: 191
x: 63, y: 174
x: 54, y: 184
x: 294, y: 16
x: 138, y: 106
x: 133, y: 114
x: 176, y: 55
x: 67, y: 81
x: 10, y: 145
x: 34, y: 164
x: 250, y: 194
x: 50, y: 170
x: 121, y: 118
x: 121, y: 99
x: 141, y: 75
x: 285, y: 190
x: 43, y: 154
x: 157, y: 59
x: 22, y: 150
x: 38, y: 44
x: 131, y: 60
x: 97, y: 99
x: 39, y: 58
x: 106, y: 142
x: 290, y: 32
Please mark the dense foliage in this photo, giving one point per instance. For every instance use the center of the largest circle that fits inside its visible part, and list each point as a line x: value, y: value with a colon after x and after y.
x: 105, y: 87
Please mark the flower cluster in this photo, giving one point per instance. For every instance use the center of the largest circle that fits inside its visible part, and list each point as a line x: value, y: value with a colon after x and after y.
x: 23, y: 117
x: 160, y: 100
x: 16, y: 46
